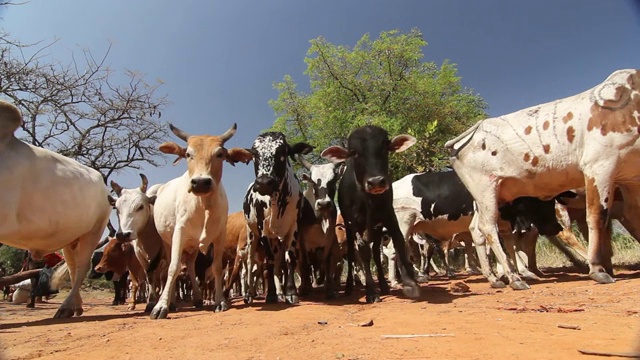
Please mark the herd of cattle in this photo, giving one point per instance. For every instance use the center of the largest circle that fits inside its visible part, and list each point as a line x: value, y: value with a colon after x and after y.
x: 514, y: 177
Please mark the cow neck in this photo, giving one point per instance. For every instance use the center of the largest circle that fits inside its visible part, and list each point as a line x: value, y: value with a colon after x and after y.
x: 149, y: 235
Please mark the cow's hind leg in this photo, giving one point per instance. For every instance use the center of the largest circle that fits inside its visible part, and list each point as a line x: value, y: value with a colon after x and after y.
x: 78, y: 257
x: 382, y: 281
x: 599, y: 192
x: 370, y: 288
x: 630, y: 220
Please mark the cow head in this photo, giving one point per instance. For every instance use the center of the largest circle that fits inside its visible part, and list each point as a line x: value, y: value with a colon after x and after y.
x: 115, y: 257
x: 133, y: 208
x: 321, y: 184
x: 205, y: 154
x: 368, y: 149
x: 540, y: 213
x: 271, y: 154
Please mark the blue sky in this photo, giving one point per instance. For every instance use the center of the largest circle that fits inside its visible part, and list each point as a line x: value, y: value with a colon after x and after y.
x: 219, y: 60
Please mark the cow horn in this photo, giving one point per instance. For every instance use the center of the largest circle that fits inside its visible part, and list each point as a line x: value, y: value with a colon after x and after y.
x: 179, y: 133
x: 229, y: 133
x: 117, y: 188
x: 304, y: 162
x: 145, y: 182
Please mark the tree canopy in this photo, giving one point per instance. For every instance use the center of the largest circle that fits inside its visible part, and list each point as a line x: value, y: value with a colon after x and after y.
x: 382, y: 82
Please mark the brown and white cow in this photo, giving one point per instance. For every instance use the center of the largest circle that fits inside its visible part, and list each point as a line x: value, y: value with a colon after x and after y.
x: 587, y: 140
x: 119, y: 257
x: 191, y: 211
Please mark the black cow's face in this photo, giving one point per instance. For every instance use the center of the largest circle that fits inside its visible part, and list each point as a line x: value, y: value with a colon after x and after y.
x: 541, y: 213
x: 368, y: 149
x: 270, y: 158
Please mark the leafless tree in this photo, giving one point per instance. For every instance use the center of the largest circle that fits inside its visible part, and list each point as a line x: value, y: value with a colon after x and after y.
x: 82, y: 108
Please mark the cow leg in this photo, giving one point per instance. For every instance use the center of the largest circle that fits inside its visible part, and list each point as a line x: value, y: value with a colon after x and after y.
x: 599, y: 194
x: 370, y: 288
x: 249, y: 279
x: 161, y: 309
x: 410, y: 287
x: 351, y: 244
x: 478, y: 228
x: 330, y: 254
x: 271, y: 297
x: 235, y: 275
x: 445, y: 249
x: 291, y: 292
x: 134, y: 291
x: 78, y: 259
x: 390, y: 253
x: 527, y: 243
x: 196, y: 294
x: 631, y: 209
x: 221, y: 303
x: 382, y: 281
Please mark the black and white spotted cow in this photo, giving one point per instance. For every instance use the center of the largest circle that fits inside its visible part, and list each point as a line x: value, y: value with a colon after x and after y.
x: 440, y: 205
x: 318, y: 220
x: 365, y: 198
x: 271, y: 207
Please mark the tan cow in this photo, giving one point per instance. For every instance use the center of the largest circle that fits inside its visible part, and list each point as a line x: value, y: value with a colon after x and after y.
x: 120, y: 257
x: 191, y: 211
x: 587, y: 140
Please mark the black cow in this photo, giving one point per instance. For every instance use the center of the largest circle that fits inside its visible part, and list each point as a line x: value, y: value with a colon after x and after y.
x: 272, y: 206
x: 440, y: 205
x: 365, y: 199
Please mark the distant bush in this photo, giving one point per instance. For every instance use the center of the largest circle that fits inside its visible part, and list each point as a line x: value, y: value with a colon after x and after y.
x: 11, y: 259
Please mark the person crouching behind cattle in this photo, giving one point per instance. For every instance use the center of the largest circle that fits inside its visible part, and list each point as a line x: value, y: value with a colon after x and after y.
x: 40, y: 283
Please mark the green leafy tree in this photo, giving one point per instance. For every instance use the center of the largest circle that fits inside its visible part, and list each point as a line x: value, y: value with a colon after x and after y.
x: 382, y: 82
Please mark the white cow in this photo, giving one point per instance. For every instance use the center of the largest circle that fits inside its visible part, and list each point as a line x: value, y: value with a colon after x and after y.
x: 191, y: 211
x: 586, y: 140
x: 48, y: 202
x: 136, y: 224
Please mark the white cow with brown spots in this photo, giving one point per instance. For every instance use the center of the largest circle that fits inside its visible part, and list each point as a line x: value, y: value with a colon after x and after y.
x: 586, y: 140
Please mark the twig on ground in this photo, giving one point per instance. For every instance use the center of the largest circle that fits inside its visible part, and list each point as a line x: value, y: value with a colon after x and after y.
x: 633, y: 355
x: 568, y: 326
x: 413, y: 336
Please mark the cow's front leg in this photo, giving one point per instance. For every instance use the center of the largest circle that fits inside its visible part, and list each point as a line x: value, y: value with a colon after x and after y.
x: 481, y: 250
x: 271, y: 297
x: 220, y: 301
x: 599, y: 193
x: 410, y: 287
x: 370, y: 288
x: 382, y: 281
x: 161, y: 309
x: 291, y: 293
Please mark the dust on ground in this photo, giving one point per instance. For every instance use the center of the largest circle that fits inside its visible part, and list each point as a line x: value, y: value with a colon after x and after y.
x: 464, y: 322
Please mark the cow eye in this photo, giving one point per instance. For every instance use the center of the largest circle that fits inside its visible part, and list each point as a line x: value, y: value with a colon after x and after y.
x: 187, y: 155
x: 140, y: 208
x: 220, y: 155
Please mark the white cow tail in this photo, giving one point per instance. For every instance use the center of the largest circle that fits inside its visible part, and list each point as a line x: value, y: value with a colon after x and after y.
x: 59, y: 275
x: 457, y: 143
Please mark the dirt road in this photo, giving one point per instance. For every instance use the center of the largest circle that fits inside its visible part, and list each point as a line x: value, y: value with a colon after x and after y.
x: 482, y: 323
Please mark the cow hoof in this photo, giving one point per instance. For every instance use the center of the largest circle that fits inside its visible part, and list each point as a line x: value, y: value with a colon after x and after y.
x: 411, y: 290
x: 498, y: 284
x: 248, y: 299
x: 159, y: 313
x: 63, y: 313
x: 198, y: 304
x: 292, y: 299
x: 422, y: 279
x: 519, y: 285
x: 271, y: 299
x: 223, y: 306
x: 602, y: 278
x: 131, y: 307
x: 530, y: 276
x: 31, y: 306
x: 373, y: 299
x: 149, y: 307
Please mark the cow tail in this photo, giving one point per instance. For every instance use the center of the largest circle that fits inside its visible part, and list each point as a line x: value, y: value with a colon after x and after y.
x: 465, y: 138
x: 153, y: 264
x: 59, y: 275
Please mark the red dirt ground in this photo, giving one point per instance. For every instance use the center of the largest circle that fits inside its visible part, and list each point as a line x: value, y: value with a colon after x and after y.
x: 482, y: 324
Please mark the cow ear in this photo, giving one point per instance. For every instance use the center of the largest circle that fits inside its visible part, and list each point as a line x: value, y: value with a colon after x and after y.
x: 299, y: 148
x: 235, y: 155
x: 401, y: 143
x: 152, y: 199
x: 111, y: 200
x: 336, y: 154
x: 173, y: 148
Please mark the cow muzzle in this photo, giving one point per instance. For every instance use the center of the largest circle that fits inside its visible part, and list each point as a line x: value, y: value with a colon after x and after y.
x: 323, y: 206
x: 201, y: 185
x: 376, y: 185
x: 265, y: 185
x: 123, y: 236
